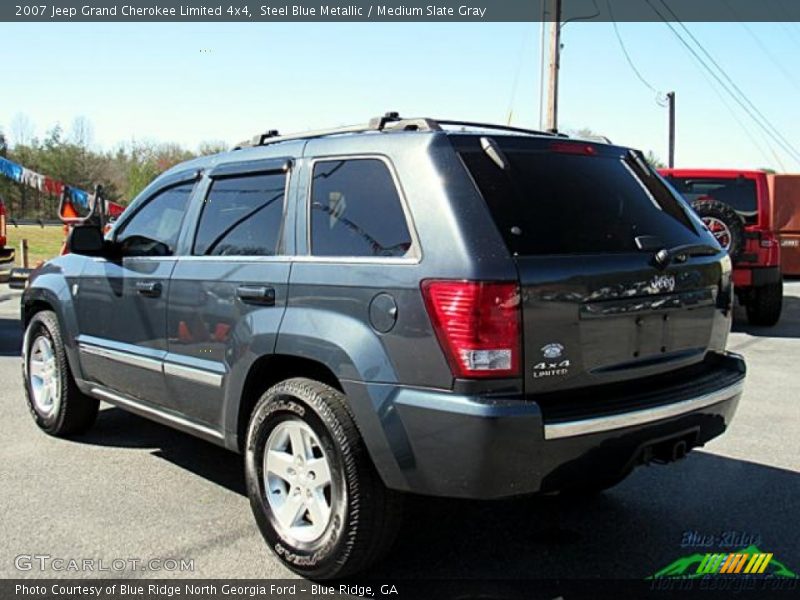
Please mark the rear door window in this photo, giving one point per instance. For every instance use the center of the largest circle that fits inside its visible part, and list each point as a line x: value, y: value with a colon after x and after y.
x: 242, y: 216
x: 564, y: 197
x: 356, y: 210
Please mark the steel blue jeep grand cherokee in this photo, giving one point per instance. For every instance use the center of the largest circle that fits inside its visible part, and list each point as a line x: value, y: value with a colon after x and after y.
x: 476, y: 312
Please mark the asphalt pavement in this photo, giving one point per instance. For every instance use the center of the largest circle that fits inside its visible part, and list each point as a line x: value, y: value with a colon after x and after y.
x: 132, y: 489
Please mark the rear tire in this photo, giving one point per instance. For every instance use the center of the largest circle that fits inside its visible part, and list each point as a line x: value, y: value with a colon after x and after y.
x: 764, y: 304
x: 57, y: 405
x: 308, y: 436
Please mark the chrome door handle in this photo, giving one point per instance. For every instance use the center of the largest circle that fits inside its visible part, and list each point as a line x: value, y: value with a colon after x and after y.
x: 256, y: 294
x: 151, y: 289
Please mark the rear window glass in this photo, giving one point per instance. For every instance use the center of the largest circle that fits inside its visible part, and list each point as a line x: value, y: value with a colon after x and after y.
x: 548, y: 202
x: 738, y: 193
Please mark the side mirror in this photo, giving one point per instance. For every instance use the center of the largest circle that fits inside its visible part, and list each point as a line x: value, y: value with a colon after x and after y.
x: 86, y: 240
x: 77, y: 207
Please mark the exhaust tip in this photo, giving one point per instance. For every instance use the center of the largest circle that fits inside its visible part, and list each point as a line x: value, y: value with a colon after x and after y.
x: 679, y: 450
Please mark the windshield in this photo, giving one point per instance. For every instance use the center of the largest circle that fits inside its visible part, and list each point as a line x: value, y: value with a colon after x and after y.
x: 566, y: 202
x: 739, y: 193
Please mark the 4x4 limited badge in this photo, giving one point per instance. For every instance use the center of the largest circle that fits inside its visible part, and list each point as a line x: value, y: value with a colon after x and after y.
x: 551, y: 368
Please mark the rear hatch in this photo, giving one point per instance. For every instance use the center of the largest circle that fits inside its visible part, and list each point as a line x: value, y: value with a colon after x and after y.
x: 584, y: 223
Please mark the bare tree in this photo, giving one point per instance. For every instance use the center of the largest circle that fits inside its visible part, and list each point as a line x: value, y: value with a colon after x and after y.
x: 211, y: 147
x: 22, y: 129
x: 82, y: 132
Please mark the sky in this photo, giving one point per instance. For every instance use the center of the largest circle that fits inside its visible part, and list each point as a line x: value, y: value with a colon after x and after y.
x: 190, y: 83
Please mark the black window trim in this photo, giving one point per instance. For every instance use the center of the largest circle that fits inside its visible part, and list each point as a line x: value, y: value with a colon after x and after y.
x: 172, y: 181
x: 249, y: 168
x: 414, y: 253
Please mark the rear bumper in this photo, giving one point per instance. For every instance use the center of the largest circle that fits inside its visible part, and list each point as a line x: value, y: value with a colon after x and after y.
x: 442, y: 444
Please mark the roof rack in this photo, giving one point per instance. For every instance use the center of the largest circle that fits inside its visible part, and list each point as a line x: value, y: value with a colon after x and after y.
x: 391, y: 121
x: 476, y: 125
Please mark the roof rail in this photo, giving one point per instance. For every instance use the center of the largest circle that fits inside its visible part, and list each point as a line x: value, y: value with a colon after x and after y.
x: 391, y: 121
x: 499, y: 127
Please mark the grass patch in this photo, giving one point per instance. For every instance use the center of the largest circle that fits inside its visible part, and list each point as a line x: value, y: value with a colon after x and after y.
x: 44, y: 243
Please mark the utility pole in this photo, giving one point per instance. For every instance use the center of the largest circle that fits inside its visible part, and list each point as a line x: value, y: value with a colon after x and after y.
x: 671, y: 101
x: 555, y: 59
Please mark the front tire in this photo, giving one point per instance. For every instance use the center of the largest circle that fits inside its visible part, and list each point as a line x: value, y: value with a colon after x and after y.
x: 313, y: 489
x: 764, y: 304
x: 56, y: 404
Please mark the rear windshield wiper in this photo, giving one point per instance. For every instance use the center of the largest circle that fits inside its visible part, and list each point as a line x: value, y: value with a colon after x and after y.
x: 665, y: 256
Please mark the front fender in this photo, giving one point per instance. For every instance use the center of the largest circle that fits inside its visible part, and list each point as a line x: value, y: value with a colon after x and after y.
x: 50, y: 285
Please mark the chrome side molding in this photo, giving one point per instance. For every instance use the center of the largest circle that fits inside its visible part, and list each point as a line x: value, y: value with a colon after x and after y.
x: 135, y: 360
x: 193, y: 374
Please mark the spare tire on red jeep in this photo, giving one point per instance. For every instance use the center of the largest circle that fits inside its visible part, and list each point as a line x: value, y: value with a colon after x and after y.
x: 724, y: 223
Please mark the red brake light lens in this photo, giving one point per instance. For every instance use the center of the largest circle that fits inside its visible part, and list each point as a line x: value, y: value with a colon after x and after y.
x: 573, y: 148
x: 478, y: 326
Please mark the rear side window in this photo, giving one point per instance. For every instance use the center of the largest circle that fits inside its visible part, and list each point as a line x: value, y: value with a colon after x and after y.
x: 356, y: 210
x: 739, y: 193
x: 567, y: 198
x: 242, y: 216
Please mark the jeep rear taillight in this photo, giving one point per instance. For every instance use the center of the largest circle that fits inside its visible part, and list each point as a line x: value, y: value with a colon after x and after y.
x: 767, y: 239
x: 477, y: 324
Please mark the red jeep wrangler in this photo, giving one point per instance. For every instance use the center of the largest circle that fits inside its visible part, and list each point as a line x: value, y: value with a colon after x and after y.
x: 735, y: 206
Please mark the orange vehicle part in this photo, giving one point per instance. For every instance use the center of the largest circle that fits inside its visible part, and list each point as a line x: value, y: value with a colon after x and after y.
x: 785, y: 199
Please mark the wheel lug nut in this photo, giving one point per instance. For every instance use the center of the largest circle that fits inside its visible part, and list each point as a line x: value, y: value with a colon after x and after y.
x: 311, y: 475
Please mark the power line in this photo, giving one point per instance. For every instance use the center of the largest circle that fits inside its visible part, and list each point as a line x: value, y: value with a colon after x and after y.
x: 784, y: 143
x: 516, y: 77
x: 750, y: 135
x: 627, y: 55
x: 767, y: 128
x: 761, y: 45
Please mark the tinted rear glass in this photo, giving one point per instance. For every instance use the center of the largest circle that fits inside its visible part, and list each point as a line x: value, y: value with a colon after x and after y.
x: 549, y: 202
x: 356, y: 210
x: 739, y: 193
